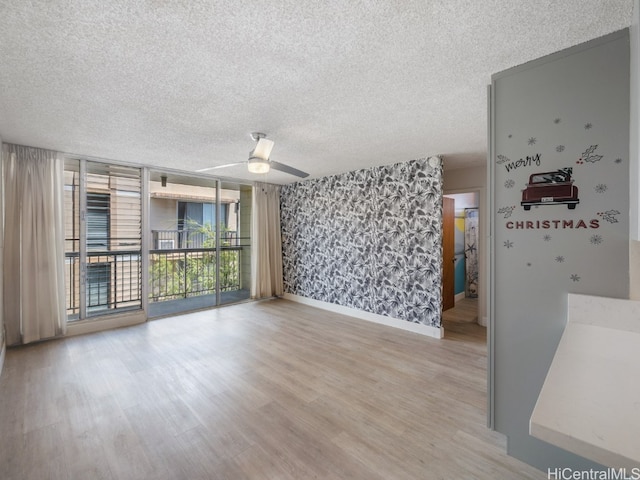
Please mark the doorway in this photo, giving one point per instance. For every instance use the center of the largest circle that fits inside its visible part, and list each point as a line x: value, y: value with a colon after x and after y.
x: 199, y: 243
x: 465, y: 277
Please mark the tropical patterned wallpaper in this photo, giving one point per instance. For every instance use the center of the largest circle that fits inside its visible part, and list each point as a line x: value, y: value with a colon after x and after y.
x: 369, y: 239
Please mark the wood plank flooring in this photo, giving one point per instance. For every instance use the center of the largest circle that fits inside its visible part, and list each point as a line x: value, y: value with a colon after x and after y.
x: 262, y: 390
x: 462, y: 320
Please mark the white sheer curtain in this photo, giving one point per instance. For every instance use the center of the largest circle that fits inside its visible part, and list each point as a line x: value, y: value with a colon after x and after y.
x: 34, y: 294
x: 266, y: 242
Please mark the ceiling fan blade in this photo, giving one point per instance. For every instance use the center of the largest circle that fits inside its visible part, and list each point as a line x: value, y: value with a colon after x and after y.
x: 219, y: 166
x: 287, y: 169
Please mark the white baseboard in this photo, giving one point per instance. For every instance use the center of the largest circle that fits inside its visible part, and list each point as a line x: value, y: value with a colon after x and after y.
x: 435, y: 332
x: 460, y: 296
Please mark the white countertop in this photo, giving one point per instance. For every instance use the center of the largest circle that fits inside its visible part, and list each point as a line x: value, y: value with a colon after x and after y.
x: 590, y: 401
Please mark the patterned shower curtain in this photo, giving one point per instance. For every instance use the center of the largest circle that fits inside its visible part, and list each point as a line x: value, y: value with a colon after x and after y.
x: 471, y: 251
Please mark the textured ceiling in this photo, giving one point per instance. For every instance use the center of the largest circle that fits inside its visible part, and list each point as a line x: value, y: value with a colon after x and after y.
x: 337, y: 85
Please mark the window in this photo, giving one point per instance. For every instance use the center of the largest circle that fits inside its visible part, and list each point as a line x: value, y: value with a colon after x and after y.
x: 98, y: 206
x: 98, y: 286
x: 193, y: 214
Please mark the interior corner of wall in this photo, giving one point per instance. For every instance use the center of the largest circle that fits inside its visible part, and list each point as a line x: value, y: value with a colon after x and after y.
x: 634, y: 269
x: 3, y: 348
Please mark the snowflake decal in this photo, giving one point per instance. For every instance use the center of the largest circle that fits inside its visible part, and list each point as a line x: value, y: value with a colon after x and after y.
x: 507, y: 211
x: 596, y: 239
x: 560, y: 259
x: 509, y: 183
x: 557, y: 121
x: 600, y: 188
x: 618, y: 160
x: 508, y: 244
x: 575, y: 277
x: 589, y: 156
x: 502, y: 159
x: 547, y: 238
x: 588, y: 126
x: 560, y: 148
x: 609, y: 215
x: 532, y: 141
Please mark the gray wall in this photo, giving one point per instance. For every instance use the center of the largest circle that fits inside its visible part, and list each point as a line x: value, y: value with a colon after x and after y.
x: 568, y: 110
x: 2, y: 337
x: 369, y: 240
x: 634, y: 146
x: 634, y: 151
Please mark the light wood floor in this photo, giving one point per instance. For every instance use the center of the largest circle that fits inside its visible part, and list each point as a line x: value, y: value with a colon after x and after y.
x: 462, y: 320
x: 267, y: 390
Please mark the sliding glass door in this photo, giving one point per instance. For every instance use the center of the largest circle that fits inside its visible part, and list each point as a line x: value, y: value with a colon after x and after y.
x: 199, y: 252
x: 165, y: 243
x: 103, y: 238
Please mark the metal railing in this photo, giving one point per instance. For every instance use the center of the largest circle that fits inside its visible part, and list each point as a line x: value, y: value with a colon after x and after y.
x: 190, y: 238
x: 72, y: 282
x: 189, y: 272
x: 114, y: 277
x: 113, y: 281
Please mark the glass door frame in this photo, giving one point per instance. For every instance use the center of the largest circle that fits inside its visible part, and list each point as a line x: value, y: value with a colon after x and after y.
x: 223, y: 259
x: 82, y: 217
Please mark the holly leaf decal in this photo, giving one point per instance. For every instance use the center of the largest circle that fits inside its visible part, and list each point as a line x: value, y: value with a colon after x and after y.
x: 502, y: 159
x: 609, y: 216
x: 506, y: 211
x: 588, y: 155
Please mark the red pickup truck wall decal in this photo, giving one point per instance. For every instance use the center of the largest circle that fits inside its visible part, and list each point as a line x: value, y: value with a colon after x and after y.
x: 550, y: 188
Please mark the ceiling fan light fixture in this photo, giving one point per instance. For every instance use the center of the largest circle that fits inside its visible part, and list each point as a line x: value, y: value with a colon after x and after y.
x: 259, y: 159
x: 258, y: 165
x: 263, y: 149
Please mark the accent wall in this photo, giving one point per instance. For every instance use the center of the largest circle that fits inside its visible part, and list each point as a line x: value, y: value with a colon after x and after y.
x: 370, y: 240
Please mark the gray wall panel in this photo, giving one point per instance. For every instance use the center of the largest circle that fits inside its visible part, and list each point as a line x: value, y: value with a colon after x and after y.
x: 567, y: 113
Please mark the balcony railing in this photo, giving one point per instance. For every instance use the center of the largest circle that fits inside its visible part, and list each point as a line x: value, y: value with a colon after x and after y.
x: 113, y: 281
x: 189, y: 272
x: 114, y: 278
x: 190, y: 238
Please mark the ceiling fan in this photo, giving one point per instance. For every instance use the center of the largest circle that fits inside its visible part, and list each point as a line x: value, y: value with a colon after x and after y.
x: 259, y: 159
